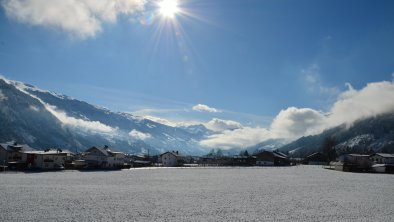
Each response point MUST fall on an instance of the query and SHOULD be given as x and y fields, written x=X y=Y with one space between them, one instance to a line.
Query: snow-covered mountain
x=374 y=134
x=45 y=119
x=270 y=144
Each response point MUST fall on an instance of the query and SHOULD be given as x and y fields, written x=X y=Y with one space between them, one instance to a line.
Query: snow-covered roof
x=378 y=165
x=101 y=150
x=106 y=151
x=358 y=155
x=12 y=146
x=48 y=152
x=142 y=161
x=315 y=154
x=385 y=155
x=172 y=152
x=243 y=157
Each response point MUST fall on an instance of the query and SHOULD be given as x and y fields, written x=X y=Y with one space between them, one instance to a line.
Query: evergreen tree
x=329 y=148
x=219 y=152
x=211 y=153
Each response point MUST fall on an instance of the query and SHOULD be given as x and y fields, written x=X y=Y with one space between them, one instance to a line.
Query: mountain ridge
x=44 y=119
x=372 y=134
x=73 y=122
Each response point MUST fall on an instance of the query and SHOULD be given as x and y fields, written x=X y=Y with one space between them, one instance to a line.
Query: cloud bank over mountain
x=237 y=138
x=374 y=99
x=139 y=135
x=220 y=125
x=291 y=123
x=80 y=124
x=80 y=18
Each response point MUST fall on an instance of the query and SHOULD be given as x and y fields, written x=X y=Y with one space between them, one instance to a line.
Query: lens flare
x=168 y=8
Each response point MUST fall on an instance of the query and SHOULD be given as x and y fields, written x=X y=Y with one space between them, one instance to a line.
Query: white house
x=11 y=154
x=18 y=156
x=171 y=159
x=49 y=159
x=382 y=158
x=106 y=157
x=382 y=162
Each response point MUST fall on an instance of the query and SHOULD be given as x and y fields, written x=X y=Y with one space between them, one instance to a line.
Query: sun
x=168 y=8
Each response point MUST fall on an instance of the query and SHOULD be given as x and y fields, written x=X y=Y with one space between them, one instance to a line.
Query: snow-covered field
x=304 y=193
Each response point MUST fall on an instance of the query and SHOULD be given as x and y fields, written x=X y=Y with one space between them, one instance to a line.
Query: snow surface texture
x=304 y=193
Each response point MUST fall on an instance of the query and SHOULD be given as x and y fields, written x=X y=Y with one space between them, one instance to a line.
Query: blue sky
x=248 y=59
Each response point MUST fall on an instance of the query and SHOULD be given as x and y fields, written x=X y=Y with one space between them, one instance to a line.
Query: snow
x=169 y=138
x=150 y=125
x=304 y=193
x=356 y=143
x=26 y=87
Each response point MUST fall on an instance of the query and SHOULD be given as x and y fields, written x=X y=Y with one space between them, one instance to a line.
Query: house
x=208 y=161
x=316 y=159
x=382 y=162
x=12 y=155
x=171 y=159
x=382 y=158
x=243 y=161
x=104 y=158
x=49 y=159
x=271 y=158
x=18 y=156
x=138 y=161
x=353 y=162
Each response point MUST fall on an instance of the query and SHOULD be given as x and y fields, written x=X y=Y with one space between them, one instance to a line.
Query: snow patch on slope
x=2 y=96
x=94 y=126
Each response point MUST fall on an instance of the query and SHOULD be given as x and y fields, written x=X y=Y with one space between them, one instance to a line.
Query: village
x=21 y=157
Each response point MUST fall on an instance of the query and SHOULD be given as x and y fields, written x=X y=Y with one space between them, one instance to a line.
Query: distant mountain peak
x=44 y=119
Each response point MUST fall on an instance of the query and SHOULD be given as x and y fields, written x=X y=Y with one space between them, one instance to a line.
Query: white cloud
x=219 y=125
x=244 y=137
x=34 y=108
x=139 y=135
x=205 y=108
x=161 y=120
x=374 y=99
x=2 y=96
x=292 y=123
x=173 y=123
x=314 y=83
x=351 y=105
x=94 y=126
x=80 y=18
